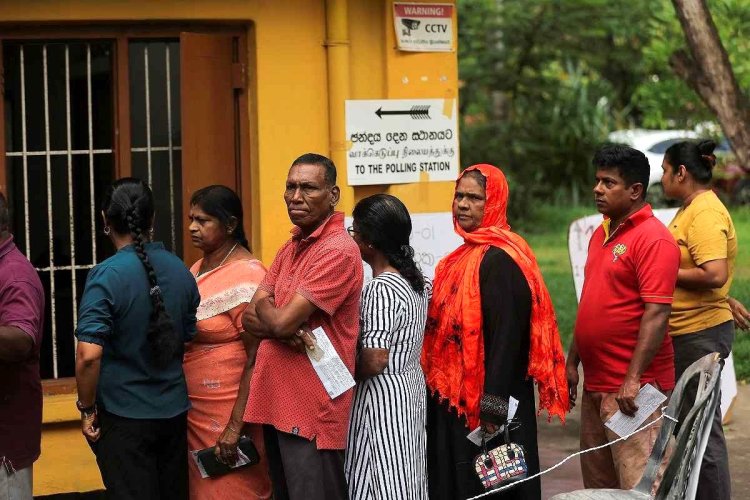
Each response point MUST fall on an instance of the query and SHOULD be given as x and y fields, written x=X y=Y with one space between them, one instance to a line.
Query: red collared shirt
x=635 y=264
x=326 y=269
x=21 y=306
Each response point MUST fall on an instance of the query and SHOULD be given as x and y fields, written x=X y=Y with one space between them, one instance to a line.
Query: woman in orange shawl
x=218 y=363
x=491 y=333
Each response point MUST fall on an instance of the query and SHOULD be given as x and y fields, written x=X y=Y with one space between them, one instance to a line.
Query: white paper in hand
x=329 y=366
x=648 y=400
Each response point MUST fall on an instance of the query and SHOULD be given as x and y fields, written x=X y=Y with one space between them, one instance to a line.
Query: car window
x=661 y=147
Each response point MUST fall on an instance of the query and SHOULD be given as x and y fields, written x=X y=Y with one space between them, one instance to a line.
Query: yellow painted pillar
x=337 y=45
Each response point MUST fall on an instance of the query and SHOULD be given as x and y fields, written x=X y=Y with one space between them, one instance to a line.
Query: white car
x=653 y=143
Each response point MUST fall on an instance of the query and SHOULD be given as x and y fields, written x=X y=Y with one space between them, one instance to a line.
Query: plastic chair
x=678 y=483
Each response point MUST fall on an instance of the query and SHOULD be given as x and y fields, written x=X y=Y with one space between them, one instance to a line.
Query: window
x=154 y=68
x=80 y=112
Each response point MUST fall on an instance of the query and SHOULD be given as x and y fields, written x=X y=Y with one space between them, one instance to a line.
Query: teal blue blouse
x=114 y=313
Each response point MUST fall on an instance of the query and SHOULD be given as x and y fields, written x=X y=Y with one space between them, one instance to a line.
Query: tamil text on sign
x=398 y=141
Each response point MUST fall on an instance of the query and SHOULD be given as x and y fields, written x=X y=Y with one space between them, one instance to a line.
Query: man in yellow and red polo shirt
x=621 y=328
x=314 y=281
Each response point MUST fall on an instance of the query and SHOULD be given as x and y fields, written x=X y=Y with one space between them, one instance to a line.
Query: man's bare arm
x=284 y=322
x=250 y=321
x=650 y=337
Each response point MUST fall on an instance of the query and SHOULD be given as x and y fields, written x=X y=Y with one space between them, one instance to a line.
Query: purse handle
x=506 y=437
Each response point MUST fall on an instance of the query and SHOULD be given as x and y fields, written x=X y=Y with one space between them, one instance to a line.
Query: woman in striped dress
x=385 y=456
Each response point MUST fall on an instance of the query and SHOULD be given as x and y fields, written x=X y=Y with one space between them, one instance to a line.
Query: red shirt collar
x=641 y=215
x=633 y=220
x=332 y=224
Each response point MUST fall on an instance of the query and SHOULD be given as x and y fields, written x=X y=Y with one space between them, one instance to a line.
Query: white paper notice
x=399 y=141
x=329 y=367
x=475 y=436
x=648 y=400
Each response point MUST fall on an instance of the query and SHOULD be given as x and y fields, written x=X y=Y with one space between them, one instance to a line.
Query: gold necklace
x=220 y=263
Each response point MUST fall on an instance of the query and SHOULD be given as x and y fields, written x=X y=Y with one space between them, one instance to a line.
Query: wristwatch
x=86 y=410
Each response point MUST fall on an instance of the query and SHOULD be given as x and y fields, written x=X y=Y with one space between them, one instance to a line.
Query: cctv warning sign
x=424 y=27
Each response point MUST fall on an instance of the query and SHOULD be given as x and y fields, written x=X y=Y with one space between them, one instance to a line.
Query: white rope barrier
x=550 y=469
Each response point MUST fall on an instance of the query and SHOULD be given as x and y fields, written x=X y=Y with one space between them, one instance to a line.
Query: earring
x=107 y=230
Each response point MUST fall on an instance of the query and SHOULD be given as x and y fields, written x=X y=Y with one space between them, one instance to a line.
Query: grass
x=548 y=236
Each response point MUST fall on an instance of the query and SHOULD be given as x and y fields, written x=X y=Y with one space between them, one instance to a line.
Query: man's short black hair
x=323 y=161
x=4 y=215
x=631 y=164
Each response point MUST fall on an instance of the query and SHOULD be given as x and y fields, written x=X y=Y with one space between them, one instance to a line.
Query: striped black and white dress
x=385 y=456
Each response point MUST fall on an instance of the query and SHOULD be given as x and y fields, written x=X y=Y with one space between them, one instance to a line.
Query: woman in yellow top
x=701 y=321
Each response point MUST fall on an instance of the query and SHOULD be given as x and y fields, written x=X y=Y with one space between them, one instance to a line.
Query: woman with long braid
x=385 y=456
x=137 y=311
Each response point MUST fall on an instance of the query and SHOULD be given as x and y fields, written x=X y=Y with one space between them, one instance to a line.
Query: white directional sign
x=396 y=141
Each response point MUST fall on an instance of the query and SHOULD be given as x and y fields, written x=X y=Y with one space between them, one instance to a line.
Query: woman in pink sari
x=218 y=363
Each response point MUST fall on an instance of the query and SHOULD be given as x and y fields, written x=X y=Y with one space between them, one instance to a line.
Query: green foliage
x=741 y=289
x=543 y=82
x=663 y=100
x=547 y=234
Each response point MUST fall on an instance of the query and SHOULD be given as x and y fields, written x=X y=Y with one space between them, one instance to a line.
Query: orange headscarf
x=455 y=370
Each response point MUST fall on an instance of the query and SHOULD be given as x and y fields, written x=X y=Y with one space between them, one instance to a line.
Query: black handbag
x=208 y=462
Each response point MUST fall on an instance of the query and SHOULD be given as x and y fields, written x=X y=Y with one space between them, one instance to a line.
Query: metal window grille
x=59 y=123
x=59 y=151
x=156 y=151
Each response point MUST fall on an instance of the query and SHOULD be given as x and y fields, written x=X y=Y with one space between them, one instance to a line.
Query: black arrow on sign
x=416 y=112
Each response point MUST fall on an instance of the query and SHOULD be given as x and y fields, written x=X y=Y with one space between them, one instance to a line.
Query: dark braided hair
x=223 y=203
x=129 y=209
x=384 y=222
x=697 y=156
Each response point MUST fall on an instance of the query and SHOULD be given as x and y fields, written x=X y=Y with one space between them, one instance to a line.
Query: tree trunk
x=707 y=70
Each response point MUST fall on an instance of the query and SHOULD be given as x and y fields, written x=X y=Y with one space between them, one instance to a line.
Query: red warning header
x=423 y=10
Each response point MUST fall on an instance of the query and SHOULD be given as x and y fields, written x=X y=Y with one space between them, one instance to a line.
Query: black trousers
x=714 y=481
x=143 y=459
x=300 y=471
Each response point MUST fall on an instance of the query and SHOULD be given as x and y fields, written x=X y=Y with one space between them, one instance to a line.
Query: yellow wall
x=289 y=115
x=402 y=75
